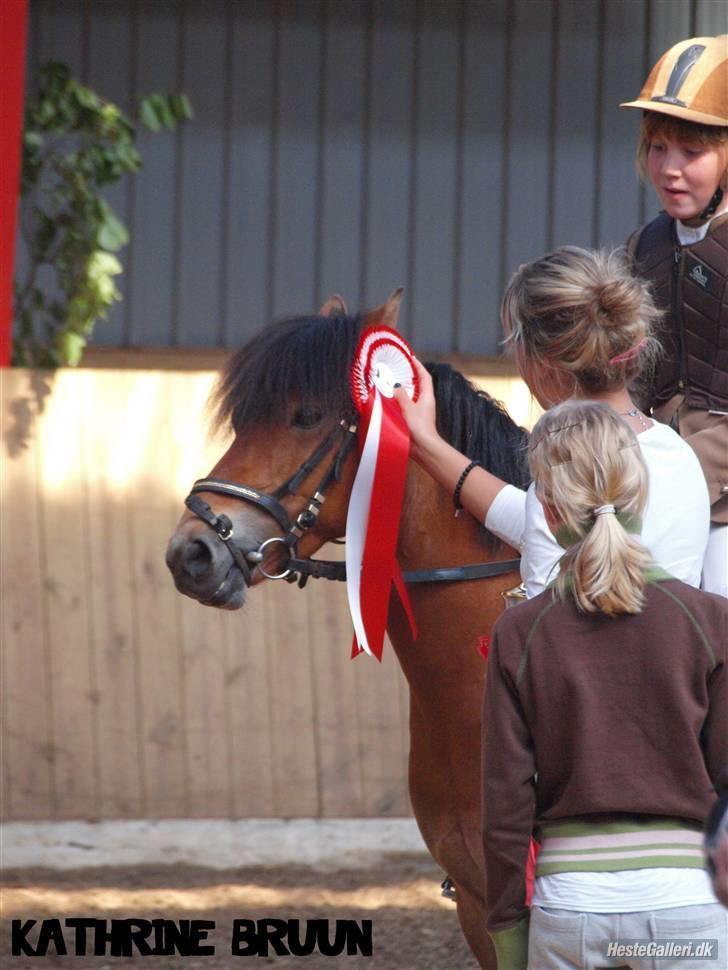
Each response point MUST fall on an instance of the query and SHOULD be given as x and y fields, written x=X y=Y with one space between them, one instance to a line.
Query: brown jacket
x=598 y=718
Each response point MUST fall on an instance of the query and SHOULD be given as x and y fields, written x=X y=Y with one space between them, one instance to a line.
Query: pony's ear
x=387 y=314
x=334 y=307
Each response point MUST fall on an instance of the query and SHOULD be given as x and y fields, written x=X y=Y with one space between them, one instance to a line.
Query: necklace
x=636 y=413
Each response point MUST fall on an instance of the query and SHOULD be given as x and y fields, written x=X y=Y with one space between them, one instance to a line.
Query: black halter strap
x=327 y=569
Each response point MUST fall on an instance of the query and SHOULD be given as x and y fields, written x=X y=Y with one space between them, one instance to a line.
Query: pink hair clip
x=629 y=354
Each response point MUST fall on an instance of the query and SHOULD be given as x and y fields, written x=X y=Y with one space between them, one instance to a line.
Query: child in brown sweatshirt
x=605 y=728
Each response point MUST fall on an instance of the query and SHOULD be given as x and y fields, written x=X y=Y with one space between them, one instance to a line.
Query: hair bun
x=615 y=299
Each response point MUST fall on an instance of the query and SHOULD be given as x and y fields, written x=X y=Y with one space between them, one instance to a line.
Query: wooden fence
x=123 y=699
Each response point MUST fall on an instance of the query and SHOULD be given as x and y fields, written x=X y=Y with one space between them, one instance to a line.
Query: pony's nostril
x=196 y=559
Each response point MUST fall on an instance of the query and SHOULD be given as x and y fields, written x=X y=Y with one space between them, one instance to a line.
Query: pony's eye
x=306 y=417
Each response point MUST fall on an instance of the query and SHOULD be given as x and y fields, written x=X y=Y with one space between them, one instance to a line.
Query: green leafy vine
x=74 y=144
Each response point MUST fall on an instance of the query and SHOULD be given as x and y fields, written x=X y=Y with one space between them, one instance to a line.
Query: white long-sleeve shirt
x=675 y=523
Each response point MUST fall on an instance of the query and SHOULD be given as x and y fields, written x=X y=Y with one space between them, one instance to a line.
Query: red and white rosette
x=382 y=360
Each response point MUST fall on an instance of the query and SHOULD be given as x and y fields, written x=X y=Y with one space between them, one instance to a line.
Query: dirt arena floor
x=413 y=926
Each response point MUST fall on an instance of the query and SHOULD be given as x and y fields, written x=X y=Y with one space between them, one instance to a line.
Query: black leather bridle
x=301 y=569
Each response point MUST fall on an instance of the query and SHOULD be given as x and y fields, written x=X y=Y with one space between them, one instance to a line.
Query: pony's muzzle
x=202 y=568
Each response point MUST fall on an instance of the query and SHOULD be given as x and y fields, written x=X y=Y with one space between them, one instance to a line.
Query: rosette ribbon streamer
x=382 y=359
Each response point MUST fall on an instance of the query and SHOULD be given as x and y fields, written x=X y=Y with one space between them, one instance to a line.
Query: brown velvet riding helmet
x=689 y=81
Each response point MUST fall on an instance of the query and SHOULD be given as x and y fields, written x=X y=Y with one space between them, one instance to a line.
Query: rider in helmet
x=683 y=147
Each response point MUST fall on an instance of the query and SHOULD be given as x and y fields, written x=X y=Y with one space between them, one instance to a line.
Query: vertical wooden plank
x=250 y=709
x=390 y=139
x=64 y=551
x=203 y=644
x=61 y=29
x=109 y=63
x=293 y=713
x=59 y=38
x=228 y=721
x=530 y=73
x=200 y=240
x=344 y=151
x=623 y=76
x=32 y=63
x=247 y=255
x=151 y=256
x=110 y=427
x=383 y=753
x=25 y=677
x=479 y=281
x=575 y=147
x=33 y=60
x=207 y=762
x=711 y=18
x=669 y=22
x=335 y=677
x=149 y=458
x=436 y=176
x=298 y=116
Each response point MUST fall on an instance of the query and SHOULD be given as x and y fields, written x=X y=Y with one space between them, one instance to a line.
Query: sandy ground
x=413 y=927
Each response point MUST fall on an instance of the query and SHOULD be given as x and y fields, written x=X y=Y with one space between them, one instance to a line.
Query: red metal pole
x=13 y=31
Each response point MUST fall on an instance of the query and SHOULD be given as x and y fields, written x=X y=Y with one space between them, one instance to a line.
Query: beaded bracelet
x=459 y=485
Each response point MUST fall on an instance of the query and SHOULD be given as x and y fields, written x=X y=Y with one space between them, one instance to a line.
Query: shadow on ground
x=413 y=927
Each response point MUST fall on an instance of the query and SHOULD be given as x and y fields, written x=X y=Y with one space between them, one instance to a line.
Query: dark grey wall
x=356 y=145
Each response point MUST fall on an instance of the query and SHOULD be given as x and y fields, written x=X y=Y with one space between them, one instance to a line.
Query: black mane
x=307 y=360
x=479 y=426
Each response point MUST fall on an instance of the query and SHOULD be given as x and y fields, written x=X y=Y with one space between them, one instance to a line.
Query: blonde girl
x=605 y=725
x=580 y=325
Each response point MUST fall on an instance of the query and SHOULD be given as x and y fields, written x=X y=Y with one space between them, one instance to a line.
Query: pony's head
x=286 y=396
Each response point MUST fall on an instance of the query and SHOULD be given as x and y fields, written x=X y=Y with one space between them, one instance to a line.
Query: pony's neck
x=450 y=616
x=430 y=534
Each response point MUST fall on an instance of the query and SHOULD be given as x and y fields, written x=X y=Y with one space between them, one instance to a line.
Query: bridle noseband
x=301 y=569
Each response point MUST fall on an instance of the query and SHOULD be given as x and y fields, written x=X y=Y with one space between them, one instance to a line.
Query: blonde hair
x=583 y=457
x=576 y=310
x=679 y=130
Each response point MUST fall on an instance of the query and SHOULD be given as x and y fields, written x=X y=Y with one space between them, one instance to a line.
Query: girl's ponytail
x=607 y=567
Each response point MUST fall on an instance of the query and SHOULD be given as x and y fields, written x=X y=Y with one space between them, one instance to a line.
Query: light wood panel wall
x=123 y=699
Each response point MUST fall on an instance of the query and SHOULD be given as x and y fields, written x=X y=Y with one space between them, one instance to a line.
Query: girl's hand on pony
x=421 y=415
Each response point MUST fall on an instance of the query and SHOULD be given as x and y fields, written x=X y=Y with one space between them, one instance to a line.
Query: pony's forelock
x=305 y=360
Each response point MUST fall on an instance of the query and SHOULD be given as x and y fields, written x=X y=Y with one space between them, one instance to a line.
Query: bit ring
x=261 y=547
